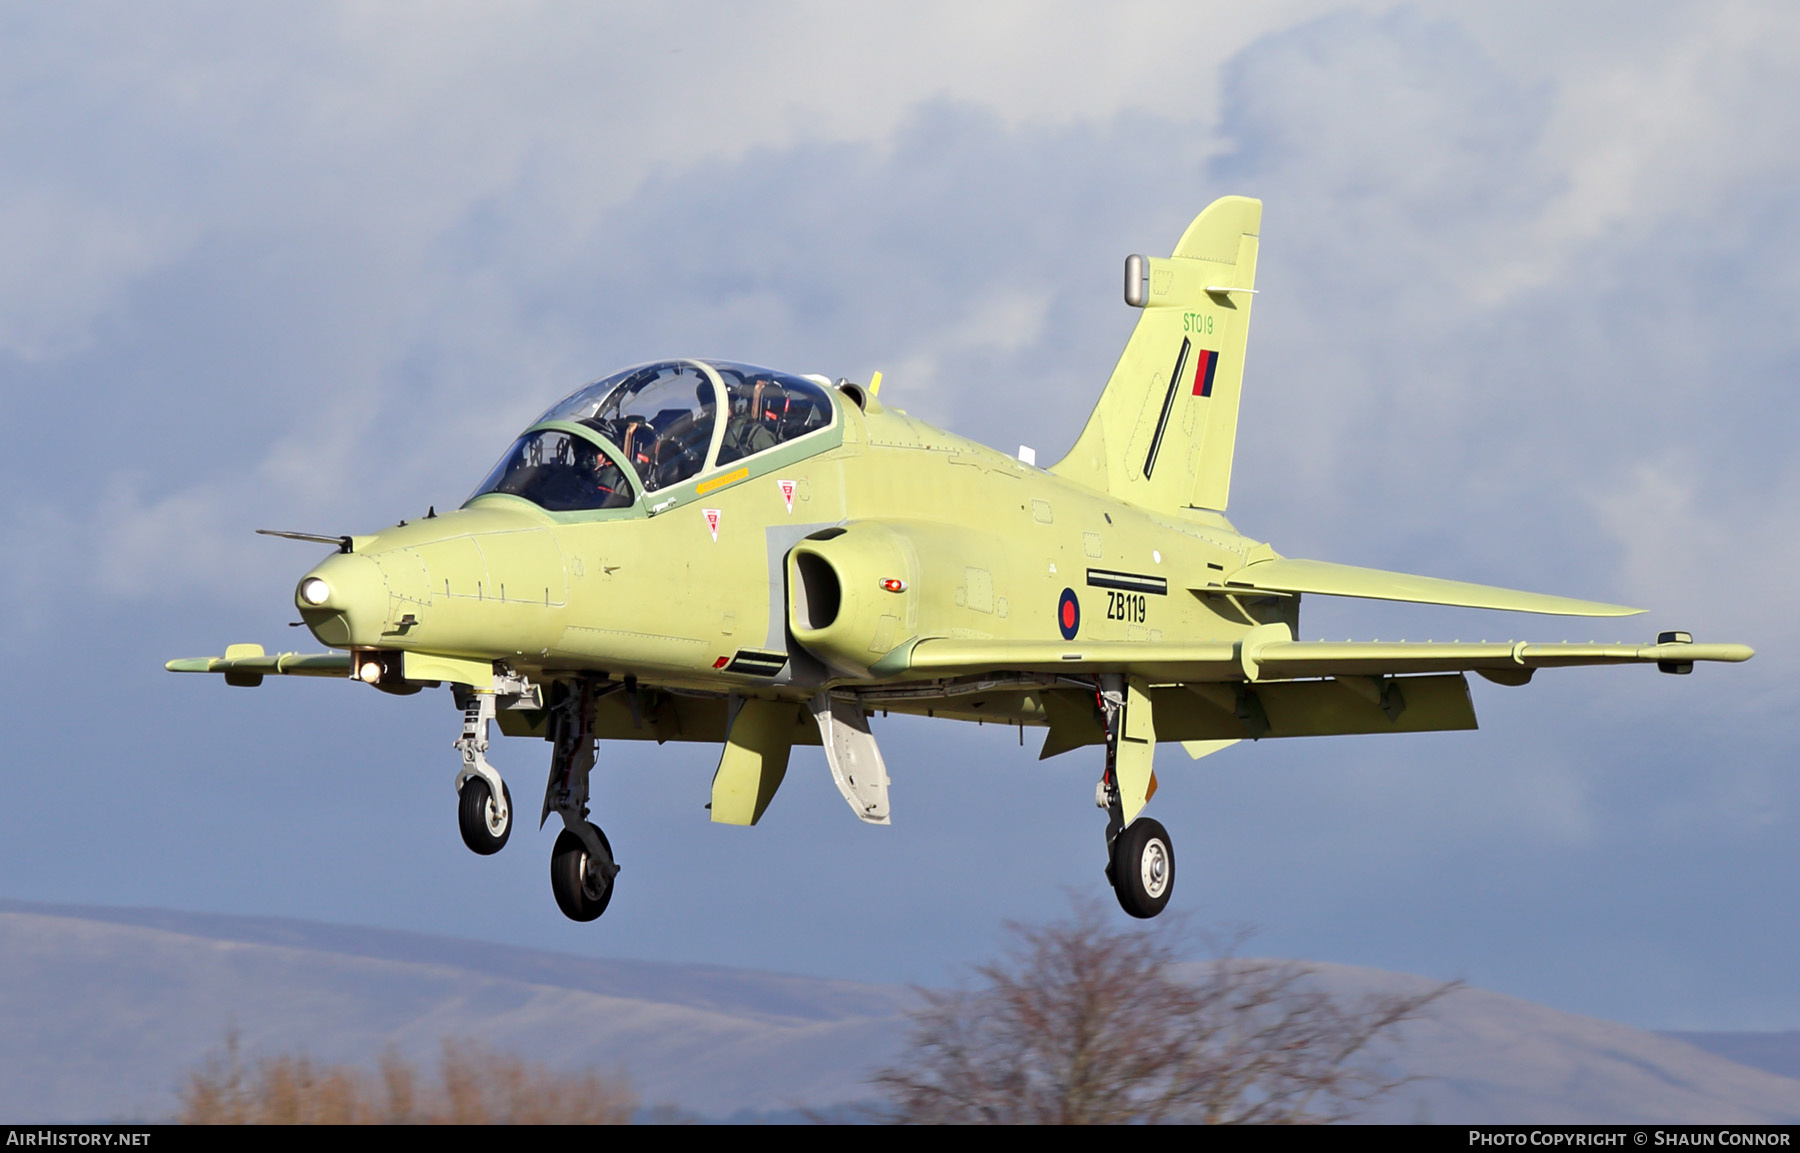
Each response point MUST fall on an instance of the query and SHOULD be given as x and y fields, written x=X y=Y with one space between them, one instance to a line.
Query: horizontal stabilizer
x=1323 y=578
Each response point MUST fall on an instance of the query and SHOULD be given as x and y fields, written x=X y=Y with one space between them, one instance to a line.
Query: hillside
x=102 y=1010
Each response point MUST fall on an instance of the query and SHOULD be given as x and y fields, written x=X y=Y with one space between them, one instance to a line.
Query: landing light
x=314 y=591
x=369 y=671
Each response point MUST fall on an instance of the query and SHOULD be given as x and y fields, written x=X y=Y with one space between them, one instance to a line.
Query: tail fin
x=1162 y=435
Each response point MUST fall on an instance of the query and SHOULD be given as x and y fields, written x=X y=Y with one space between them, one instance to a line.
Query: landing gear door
x=855 y=760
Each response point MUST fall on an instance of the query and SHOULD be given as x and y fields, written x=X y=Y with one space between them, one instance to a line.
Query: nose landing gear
x=484 y=819
x=485 y=812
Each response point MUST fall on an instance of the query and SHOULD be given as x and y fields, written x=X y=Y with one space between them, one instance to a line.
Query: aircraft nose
x=344 y=601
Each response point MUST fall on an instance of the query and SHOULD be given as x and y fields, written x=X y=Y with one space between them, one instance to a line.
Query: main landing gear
x=1140 y=858
x=581 y=883
x=1142 y=868
x=581 y=864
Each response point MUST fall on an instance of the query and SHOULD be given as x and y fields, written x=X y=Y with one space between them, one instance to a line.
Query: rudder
x=1163 y=432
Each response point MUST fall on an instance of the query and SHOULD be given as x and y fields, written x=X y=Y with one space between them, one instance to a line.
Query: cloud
x=1527 y=317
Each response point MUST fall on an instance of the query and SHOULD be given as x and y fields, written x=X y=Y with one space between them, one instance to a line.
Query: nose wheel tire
x=1142 y=870
x=581 y=893
x=485 y=826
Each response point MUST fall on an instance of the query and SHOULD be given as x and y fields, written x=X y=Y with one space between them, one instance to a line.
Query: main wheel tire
x=580 y=897
x=1143 y=868
x=484 y=828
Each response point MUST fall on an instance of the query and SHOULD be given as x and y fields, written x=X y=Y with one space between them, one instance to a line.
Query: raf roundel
x=1068 y=615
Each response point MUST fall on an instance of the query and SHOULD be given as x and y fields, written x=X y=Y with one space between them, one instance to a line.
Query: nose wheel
x=485 y=821
x=582 y=881
x=1142 y=870
x=484 y=808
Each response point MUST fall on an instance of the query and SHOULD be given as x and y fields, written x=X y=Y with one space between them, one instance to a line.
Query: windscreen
x=559 y=472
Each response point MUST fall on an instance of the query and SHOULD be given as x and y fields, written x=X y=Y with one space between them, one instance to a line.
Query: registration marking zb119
x=1133 y=607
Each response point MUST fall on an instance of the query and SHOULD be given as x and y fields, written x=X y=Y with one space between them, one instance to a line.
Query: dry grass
x=475 y=1086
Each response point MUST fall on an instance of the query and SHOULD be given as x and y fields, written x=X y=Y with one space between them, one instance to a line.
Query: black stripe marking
x=1127 y=582
x=749 y=662
x=1162 y=421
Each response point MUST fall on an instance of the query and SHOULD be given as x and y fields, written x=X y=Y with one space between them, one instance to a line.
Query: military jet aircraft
x=699 y=550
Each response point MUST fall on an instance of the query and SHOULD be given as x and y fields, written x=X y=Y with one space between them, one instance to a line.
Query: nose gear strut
x=485 y=813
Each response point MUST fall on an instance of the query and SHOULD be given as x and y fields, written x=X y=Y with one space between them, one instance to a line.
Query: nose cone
x=344 y=601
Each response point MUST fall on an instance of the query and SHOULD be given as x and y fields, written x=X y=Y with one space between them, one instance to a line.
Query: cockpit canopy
x=662 y=421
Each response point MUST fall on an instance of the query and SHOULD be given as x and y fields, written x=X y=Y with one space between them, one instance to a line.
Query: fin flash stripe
x=1203 y=372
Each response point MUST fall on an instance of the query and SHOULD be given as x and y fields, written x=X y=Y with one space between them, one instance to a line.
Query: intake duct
x=820 y=596
x=839 y=607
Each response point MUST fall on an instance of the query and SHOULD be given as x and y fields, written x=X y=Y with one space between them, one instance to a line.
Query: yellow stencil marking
x=719 y=482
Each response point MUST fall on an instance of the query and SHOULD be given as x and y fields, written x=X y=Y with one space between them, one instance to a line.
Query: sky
x=1528 y=316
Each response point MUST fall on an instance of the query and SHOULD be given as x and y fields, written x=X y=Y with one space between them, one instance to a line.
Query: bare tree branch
x=1082 y=1024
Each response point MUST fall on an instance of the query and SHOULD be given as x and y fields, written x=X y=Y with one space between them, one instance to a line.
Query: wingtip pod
x=1729 y=653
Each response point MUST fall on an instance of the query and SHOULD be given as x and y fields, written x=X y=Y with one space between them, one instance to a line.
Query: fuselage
x=696 y=586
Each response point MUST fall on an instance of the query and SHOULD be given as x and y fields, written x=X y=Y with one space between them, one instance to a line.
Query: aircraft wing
x=942 y=657
x=1324 y=578
x=1507 y=662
